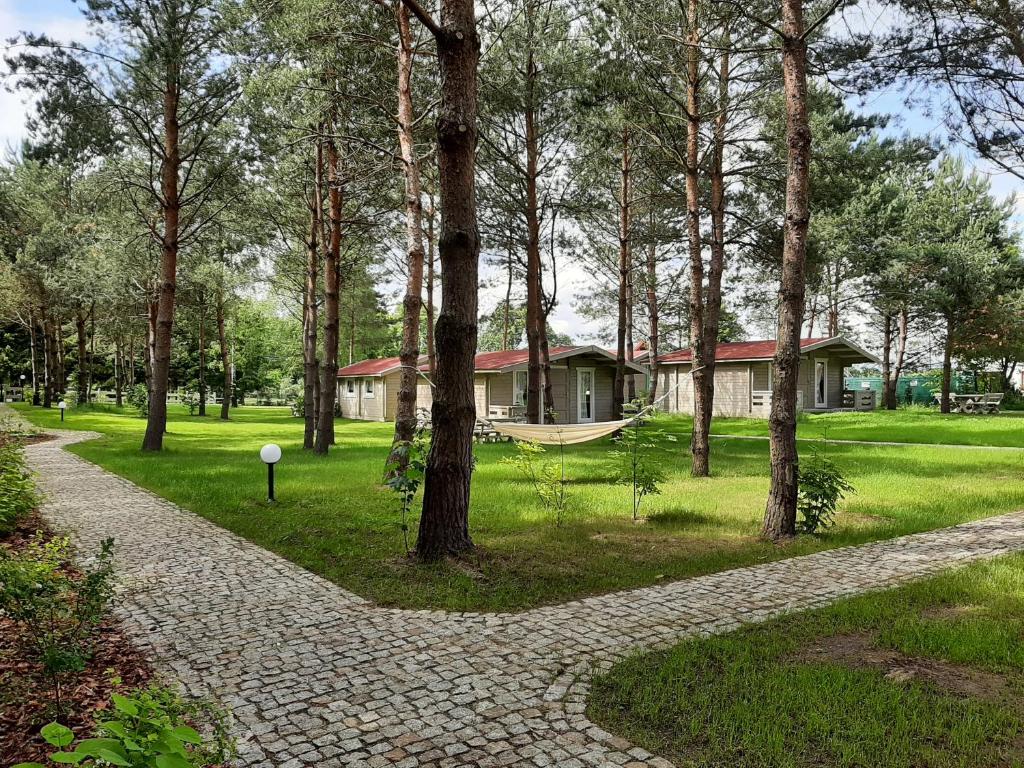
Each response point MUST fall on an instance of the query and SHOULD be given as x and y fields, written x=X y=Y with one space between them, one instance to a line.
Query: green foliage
x=138 y=398
x=635 y=442
x=299 y=406
x=150 y=728
x=547 y=477
x=822 y=486
x=58 y=609
x=18 y=494
x=405 y=475
x=190 y=399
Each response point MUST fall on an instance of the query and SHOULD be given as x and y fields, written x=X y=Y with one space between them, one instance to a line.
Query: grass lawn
x=906 y=425
x=334 y=518
x=927 y=675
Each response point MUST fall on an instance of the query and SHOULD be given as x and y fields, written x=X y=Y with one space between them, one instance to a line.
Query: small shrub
x=190 y=399
x=405 y=475
x=299 y=406
x=71 y=398
x=822 y=486
x=547 y=477
x=635 y=442
x=58 y=609
x=138 y=398
x=18 y=494
x=149 y=728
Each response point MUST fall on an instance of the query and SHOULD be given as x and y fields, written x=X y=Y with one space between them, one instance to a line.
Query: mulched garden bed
x=26 y=700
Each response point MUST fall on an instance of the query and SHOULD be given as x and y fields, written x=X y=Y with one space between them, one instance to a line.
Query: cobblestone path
x=317 y=676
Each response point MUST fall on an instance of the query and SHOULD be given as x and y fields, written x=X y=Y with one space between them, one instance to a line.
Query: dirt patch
x=953 y=612
x=26 y=694
x=858 y=651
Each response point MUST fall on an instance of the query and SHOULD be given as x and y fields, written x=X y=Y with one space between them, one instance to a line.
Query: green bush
x=546 y=477
x=822 y=486
x=190 y=399
x=149 y=728
x=299 y=406
x=138 y=398
x=635 y=442
x=57 y=608
x=18 y=494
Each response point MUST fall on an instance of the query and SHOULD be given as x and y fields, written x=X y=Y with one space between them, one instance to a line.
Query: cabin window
x=350 y=387
x=367 y=387
x=520 y=383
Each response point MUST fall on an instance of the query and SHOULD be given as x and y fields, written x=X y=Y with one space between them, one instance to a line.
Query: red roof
x=371 y=367
x=495 y=361
x=736 y=350
x=485 y=361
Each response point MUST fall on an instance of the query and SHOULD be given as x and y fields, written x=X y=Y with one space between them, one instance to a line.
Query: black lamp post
x=270 y=454
x=63 y=407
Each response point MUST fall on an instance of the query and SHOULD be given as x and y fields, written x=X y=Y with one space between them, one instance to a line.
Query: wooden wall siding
x=834 y=383
x=424 y=395
x=759 y=372
x=366 y=408
x=499 y=388
x=604 y=385
x=732 y=389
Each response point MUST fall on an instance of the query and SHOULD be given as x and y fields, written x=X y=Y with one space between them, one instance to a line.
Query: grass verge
x=931 y=674
x=334 y=518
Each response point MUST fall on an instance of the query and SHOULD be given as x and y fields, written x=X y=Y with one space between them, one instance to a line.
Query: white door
x=821 y=384
x=584 y=395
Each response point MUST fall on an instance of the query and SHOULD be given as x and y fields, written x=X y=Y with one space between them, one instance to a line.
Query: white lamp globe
x=62 y=405
x=270 y=453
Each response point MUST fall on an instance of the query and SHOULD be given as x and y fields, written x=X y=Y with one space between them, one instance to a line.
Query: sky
x=61 y=19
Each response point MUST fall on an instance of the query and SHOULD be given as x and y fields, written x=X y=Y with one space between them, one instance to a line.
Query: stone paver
x=317 y=676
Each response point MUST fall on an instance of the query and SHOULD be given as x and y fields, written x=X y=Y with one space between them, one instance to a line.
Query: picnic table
x=973 y=402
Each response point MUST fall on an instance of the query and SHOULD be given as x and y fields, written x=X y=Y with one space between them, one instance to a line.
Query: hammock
x=559 y=434
x=569 y=434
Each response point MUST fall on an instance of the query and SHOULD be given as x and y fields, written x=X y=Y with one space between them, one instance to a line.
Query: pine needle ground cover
x=334 y=517
x=931 y=674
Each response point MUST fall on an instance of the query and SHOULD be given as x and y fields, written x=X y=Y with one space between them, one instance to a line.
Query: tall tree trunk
x=431 y=354
x=653 y=317
x=625 y=191
x=310 y=365
x=888 y=381
x=202 y=355
x=700 y=444
x=506 y=320
x=332 y=276
x=130 y=373
x=947 y=367
x=225 y=358
x=444 y=521
x=33 y=346
x=49 y=365
x=119 y=373
x=780 y=510
x=712 y=309
x=534 y=384
x=92 y=352
x=412 y=304
x=82 y=339
x=630 y=349
x=156 y=423
x=903 y=332
x=150 y=345
x=61 y=377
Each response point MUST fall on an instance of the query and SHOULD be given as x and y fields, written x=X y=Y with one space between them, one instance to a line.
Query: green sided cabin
x=582 y=379
x=743 y=378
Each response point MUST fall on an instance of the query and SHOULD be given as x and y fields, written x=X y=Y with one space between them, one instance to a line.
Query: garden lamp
x=63 y=406
x=270 y=454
